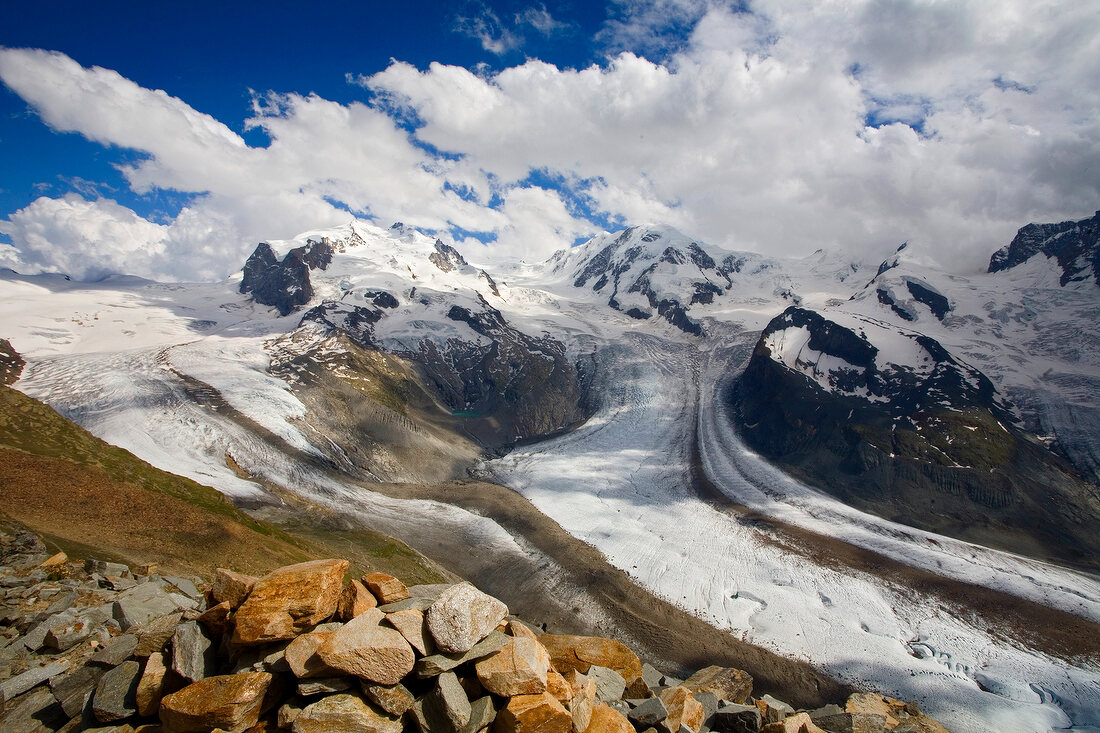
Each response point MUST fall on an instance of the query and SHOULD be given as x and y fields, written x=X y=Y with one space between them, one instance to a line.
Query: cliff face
x=926 y=442
x=1074 y=244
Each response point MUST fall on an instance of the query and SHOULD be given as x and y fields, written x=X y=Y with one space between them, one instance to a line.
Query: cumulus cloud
x=855 y=125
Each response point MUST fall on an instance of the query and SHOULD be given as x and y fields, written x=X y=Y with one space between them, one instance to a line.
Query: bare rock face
x=581 y=652
x=230 y=587
x=727 y=683
x=519 y=668
x=342 y=713
x=683 y=709
x=463 y=616
x=533 y=714
x=608 y=720
x=365 y=649
x=290 y=600
x=230 y=702
x=386 y=588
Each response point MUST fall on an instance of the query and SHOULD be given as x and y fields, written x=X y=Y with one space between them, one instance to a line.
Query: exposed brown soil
x=80 y=508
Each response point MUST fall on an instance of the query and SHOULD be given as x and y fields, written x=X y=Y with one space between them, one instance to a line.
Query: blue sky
x=165 y=142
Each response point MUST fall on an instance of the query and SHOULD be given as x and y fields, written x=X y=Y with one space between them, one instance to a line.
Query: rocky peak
x=1074 y=244
x=446 y=257
x=11 y=363
x=284 y=285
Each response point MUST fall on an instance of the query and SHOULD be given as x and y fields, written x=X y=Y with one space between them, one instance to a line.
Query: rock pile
x=98 y=646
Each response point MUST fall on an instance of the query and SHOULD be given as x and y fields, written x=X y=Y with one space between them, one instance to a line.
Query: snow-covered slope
x=358 y=353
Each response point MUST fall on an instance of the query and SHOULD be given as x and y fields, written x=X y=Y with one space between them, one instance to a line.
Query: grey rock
x=709 y=701
x=185 y=586
x=324 y=685
x=117 y=651
x=429 y=591
x=482 y=714
x=34 y=712
x=463 y=616
x=35 y=639
x=777 y=709
x=143 y=604
x=648 y=714
x=193 y=653
x=67 y=635
x=670 y=681
x=183 y=602
x=439 y=663
x=842 y=722
x=19 y=684
x=447 y=705
x=72 y=690
x=610 y=685
x=62 y=602
x=420 y=604
x=652 y=675
x=394 y=699
x=734 y=718
x=118 y=584
x=619 y=706
x=111 y=569
x=116 y=694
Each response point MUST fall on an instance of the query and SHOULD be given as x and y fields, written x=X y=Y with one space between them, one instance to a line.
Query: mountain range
x=880 y=467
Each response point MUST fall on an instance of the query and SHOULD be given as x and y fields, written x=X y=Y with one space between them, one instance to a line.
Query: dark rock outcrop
x=1074 y=244
x=11 y=363
x=932 y=448
x=284 y=285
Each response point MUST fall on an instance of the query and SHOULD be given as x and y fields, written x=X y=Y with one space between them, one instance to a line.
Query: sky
x=165 y=140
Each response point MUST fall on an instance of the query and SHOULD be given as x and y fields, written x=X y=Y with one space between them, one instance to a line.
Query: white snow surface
x=109 y=356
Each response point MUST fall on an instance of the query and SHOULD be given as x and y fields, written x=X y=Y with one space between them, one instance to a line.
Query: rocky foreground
x=101 y=646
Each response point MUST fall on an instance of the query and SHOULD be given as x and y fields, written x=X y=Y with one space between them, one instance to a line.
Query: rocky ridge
x=100 y=646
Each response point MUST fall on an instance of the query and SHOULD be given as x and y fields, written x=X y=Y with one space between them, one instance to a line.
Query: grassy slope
x=93 y=499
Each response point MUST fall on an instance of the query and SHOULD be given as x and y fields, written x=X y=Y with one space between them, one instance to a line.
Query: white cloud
x=859 y=125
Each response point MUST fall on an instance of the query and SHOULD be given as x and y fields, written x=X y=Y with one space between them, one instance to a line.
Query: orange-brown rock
x=581 y=652
x=230 y=587
x=518 y=628
x=365 y=649
x=414 y=627
x=386 y=588
x=301 y=655
x=518 y=668
x=288 y=601
x=230 y=702
x=216 y=618
x=727 y=683
x=798 y=723
x=342 y=713
x=354 y=600
x=894 y=711
x=54 y=561
x=533 y=714
x=608 y=720
x=683 y=709
x=558 y=687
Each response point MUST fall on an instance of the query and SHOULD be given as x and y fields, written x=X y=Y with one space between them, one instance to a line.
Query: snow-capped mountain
x=631 y=388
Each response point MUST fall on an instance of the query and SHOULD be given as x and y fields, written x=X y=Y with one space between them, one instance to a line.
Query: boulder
x=324 y=686
x=143 y=604
x=735 y=718
x=774 y=710
x=344 y=712
x=288 y=601
x=230 y=587
x=608 y=720
x=895 y=712
x=72 y=690
x=54 y=561
x=301 y=655
x=394 y=699
x=610 y=685
x=216 y=618
x=367 y=650
x=64 y=636
x=581 y=652
x=446 y=707
x=413 y=625
x=518 y=668
x=150 y=687
x=194 y=655
x=533 y=714
x=557 y=686
x=116 y=694
x=463 y=616
x=154 y=636
x=683 y=709
x=386 y=588
x=17 y=685
x=116 y=651
x=233 y=703
x=354 y=600
x=583 y=699
x=440 y=663
x=797 y=723
x=850 y=722
x=727 y=683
